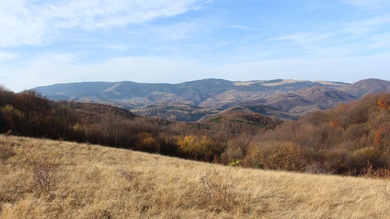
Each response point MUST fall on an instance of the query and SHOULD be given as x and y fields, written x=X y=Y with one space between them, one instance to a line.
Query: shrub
x=277 y=155
x=365 y=157
x=285 y=156
x=232 y=154
x=147 y=143
x=12 y=118
x=335 y=161
x=45 y=171
x=253 y=157
x=199 y=148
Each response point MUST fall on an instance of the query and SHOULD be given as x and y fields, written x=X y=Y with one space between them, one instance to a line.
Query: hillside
x=292 y=97
x=368 y=86
x=350 y=139
x=90 y=181
x=174 y=111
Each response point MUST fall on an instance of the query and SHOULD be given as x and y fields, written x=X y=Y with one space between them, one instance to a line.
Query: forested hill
x=350 y=139
x=191 y=101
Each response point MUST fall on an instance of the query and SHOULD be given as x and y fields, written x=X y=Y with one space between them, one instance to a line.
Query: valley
x=194 y=100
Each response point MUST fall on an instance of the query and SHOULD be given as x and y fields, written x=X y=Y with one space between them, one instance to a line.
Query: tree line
x=351 y=139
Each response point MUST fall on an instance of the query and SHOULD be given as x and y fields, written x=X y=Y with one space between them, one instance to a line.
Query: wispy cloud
x=300 y=37
x=239 y=27
x=5 y=56
x=362 y=27
x=52 y=59
x=179 y=31
x=369 y=4
x=342 y=39
x=380 y=41
x=24 y=22
x=176 y=31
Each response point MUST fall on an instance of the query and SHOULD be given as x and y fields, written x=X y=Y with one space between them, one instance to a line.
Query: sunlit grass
x=98 y=182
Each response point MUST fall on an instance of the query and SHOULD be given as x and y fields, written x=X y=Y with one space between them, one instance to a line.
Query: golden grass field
x=53 y=179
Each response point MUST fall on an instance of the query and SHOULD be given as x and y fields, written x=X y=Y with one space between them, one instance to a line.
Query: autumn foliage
x=349 y=139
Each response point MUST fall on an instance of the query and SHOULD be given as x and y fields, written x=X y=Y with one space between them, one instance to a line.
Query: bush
x=253 y=157
x=285 y=156
x=335 y=161
x=233 y=154
x=199 y=148
x=45 y=170
x=364 y=157
x=147 y=143
x=278 y=155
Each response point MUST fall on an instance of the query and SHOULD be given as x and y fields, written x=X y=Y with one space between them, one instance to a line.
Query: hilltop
x=58 y=179
x=191 y=101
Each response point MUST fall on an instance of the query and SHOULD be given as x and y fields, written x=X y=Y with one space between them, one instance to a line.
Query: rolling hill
x=91 y=181
x=191 y=101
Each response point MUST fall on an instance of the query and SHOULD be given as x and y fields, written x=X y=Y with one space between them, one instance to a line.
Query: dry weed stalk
x=5 y=152
x=381 y=173
x=45 y=171
x=129 y=175
x=217 y=191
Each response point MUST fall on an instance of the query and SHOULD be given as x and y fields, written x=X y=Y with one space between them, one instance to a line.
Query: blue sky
x=43 y=42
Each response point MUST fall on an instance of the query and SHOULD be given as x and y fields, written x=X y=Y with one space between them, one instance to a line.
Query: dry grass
x=88 y=181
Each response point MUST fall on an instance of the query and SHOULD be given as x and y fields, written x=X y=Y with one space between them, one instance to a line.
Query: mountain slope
x=195 y=92
x=295 y=97
x=368 y=86
x=174 y=111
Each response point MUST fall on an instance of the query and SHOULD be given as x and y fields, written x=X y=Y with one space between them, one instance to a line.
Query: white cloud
x=52 y=59
x=105 y=45
x=180 y=30
x=304 y=37
x=362 y=27
x=380 y=41
x=344 y=39
x=369 y=4
x=19 y=25
x=92 y=14
x=25 y=22
x=5 y=56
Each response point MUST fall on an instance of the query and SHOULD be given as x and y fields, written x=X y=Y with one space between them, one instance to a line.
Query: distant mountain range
x=196 y=100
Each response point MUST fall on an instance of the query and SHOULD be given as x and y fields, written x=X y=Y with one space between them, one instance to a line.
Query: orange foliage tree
x=383 y=102
x=382 y=137
x=199 y=148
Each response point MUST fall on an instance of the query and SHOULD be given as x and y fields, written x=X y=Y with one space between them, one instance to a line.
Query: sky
x=44 y=42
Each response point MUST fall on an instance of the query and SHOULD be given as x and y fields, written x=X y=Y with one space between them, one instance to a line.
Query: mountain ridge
x=294 y=97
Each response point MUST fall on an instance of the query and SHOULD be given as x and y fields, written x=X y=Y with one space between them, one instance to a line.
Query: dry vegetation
x=58 y=179
x=350 y=139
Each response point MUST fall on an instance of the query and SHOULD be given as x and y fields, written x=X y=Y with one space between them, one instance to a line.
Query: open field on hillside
x=53 y=179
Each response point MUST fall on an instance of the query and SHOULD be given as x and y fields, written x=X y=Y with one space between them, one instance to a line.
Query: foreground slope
x=88 y=181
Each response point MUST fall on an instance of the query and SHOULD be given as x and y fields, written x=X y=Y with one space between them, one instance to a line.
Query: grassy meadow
x=56 y=179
